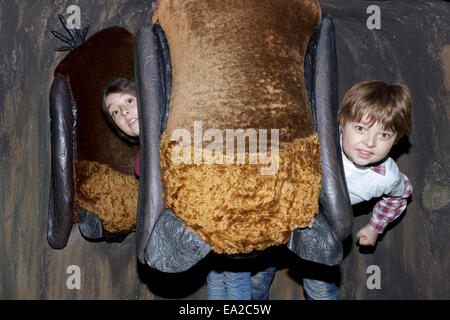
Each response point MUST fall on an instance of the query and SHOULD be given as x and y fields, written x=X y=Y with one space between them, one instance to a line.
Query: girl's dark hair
x=122 y=85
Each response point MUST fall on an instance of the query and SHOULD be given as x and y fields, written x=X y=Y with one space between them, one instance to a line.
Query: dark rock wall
x=30 y=268
x=412 y=47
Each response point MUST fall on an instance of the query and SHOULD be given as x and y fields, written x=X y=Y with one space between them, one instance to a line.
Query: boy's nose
x=370 y=140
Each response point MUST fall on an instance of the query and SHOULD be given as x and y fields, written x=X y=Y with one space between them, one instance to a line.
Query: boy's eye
x=359 y=128
x=130 y=100
x=386 y=135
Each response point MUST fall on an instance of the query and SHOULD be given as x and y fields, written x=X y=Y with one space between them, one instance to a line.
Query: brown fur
x=239 y=65
x=111 y=195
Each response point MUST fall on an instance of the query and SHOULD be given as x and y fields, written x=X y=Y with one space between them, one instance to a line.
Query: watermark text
x=212 y=153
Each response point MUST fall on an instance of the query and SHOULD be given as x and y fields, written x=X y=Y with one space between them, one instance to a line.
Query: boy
x=373 y=116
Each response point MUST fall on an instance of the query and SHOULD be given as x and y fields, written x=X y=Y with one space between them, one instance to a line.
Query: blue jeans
x=314 y=289
x=320 y=290
x=261 y=282
x=228 y=285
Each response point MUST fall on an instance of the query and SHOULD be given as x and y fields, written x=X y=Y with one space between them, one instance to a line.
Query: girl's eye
x=385 y=135
x=130 y=100
x=359 y=128
x=114 y=113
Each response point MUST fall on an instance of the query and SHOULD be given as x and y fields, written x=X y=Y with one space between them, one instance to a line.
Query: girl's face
x=122 y=108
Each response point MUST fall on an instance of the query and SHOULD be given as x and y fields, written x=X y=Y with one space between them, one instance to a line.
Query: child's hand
x=367 y=237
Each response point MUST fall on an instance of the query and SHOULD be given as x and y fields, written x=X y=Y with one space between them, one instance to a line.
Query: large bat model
x=205 y=69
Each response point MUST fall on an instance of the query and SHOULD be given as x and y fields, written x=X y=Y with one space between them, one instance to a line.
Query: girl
x=119 y=108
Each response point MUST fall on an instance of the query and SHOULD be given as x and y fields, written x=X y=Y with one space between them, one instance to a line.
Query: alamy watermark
x=374 y=20
x=74 y=20
x=258 y=152
x=374 y=280
x=74 y=280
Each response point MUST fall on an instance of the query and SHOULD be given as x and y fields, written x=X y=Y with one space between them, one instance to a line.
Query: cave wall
x=412 y=47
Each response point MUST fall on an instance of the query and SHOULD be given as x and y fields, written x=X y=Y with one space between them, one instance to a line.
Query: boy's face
x=122 y=108
x=364 y=145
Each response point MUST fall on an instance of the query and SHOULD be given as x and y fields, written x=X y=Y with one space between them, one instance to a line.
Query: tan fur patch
x=235 y=208
x=111 y=195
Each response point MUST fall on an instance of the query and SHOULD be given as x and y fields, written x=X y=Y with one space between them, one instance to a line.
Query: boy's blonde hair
x=378 y=102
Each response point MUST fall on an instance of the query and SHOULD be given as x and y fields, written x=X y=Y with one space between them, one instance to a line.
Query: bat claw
x=76 y=36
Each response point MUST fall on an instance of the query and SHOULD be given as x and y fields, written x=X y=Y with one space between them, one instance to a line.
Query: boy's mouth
x=364 y=154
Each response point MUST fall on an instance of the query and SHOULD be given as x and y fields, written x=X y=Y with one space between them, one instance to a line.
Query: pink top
x=137 y=164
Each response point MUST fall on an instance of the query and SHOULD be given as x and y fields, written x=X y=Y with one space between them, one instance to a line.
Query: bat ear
x=321 y=242
x=61 y=206
x=154 y=84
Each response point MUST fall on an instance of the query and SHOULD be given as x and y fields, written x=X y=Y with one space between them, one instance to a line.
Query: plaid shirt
x=388 y=208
